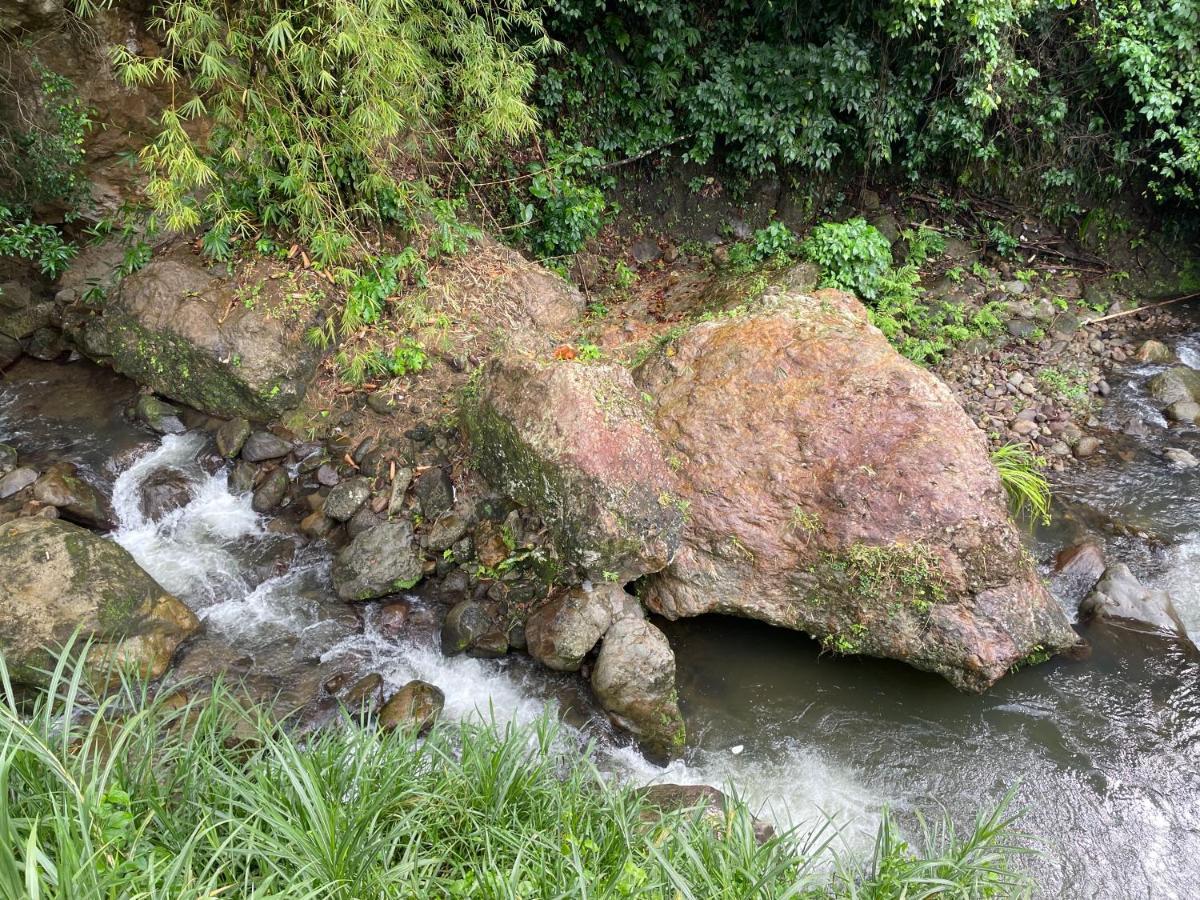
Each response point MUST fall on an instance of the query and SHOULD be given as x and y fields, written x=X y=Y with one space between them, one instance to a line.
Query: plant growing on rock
x=1027 y=488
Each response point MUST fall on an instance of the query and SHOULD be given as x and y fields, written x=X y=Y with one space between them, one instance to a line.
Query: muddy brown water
x=1103 y=755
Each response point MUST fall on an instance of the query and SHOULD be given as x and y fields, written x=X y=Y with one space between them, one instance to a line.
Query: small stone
x=327 y=475
x=316 y=525
x=416 y=706
x=365 y=695
x=393 y=617
x=434 y=491
x=1096 y=346
x=366 y=518
x=445 y=532
x=1183 y=411
x=241 y=479
x=1103 y=388
x=1014 y=287
x=379 y=562
x=47 y=344
x=384 y=404
x=1086 y=447
x=262 y=446
x=231 y=437
x=1024 y=427
x=158 y=415
x=465 y=624
x=645 y=251
x=271 y=492
x=399 y=490
x=346 y=499
x=1083 y=561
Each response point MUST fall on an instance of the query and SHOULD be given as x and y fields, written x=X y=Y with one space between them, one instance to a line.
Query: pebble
x=1181 y=458
x=1086 y=447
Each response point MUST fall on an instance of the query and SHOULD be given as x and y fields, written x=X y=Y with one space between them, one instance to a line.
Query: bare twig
x=1130 y=312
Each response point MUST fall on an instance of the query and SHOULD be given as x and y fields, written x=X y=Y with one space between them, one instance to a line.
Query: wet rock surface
x=378 y=562
x=56 y=577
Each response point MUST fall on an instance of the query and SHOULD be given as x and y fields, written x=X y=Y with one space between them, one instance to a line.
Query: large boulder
x=634 y=680
x=573 y=441
x=378 y=562
x=230 y=345
x=56 y=578
x=834 y=487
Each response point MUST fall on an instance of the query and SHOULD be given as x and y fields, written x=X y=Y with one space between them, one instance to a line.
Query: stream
x=1103 y=754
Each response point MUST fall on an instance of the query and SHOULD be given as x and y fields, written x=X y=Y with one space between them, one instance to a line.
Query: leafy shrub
x=852 y=255
x=310 y=104
x=774 y=243
x=40 y=244
x=560 y=206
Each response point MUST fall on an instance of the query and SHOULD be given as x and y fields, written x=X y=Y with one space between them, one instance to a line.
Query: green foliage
x=357 y=366
x=852 y=256
x=311 y=104
x=40 y=244
x=1058 y=99
x=132 y=795
x=774 y=244
x=1021 y=474
x=559 y=206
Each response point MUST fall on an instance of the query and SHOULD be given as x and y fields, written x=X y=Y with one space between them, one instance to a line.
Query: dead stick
x=1130 y=312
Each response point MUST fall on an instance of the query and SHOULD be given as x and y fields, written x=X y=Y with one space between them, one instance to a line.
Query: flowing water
x=1103 y=754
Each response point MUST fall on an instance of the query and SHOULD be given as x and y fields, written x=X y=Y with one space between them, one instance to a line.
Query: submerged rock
x=56 y=577
x=200 y=336
x=834 y=487
x=573 y=442
x=158 y=415
x=711 y=804
x=416 y=706
x=378 y=562
x=1120 y=595
x=1154 y=352
x=634 y=680
x=163 y=492
x=466 y=624
x=262 y=446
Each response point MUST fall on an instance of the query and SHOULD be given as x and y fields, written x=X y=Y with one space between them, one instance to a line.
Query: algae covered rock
x=836 y=488
x=573 y=442
x=232 y=346
x=56 y=577
x=416 y=706
x=378 y=562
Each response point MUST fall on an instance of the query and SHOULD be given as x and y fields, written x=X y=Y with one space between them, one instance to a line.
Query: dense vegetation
x=1073 y=100
x=135 y=796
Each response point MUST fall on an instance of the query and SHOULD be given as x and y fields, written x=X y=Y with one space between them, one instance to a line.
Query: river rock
x=1083 y=562
x=1183 y=411
x=16 y=481
x=1154 y=352
x=262 y=446
x=1086 y=447
x=1177 y=384
x=634 y=680
x=561 y=632
x=347 y=498
x=378 y=562
x=47 y=344
x=232 y=436
x=10 y=351
x=833 y=487
x=435 y=492
x=364 y=695
x=415 y=707
x=8 y=459
x=574 y=442
x=1180 y=458
x=158 y=415
x=271 y=491
x=1120 y=595
x=163 y=492
x=192 y=333
x=61 y=486
x=465 y=624
x=445 y=532
x=361 y=521
x=56 y=577
x=711 y=804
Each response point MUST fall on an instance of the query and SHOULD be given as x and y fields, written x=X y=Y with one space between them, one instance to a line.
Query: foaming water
x=194 y=551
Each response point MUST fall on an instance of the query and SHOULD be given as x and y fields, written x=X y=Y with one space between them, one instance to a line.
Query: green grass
x=136 y=796
x=1021 y=474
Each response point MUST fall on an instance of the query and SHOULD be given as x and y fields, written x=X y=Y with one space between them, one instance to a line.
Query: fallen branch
x=1130 y=312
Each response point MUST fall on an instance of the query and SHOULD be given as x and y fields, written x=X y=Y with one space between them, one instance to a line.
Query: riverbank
x=135 y=794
